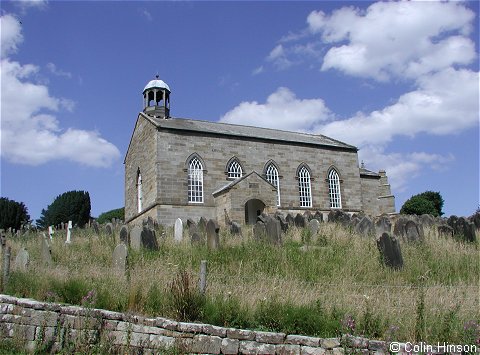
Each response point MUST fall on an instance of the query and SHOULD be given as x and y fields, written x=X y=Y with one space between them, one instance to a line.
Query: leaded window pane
x=234 y=170
x=304 y=187
x=334 y=189
x=272 y=177
x=195 y=181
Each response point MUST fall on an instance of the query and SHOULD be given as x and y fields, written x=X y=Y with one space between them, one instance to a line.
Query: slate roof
x=236 y=181
x=367 y=172
x=228 y=129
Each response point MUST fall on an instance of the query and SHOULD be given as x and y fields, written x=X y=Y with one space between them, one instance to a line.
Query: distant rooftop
x=235 y=130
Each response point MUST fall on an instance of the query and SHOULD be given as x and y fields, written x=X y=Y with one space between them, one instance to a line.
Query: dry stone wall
x=37 y=322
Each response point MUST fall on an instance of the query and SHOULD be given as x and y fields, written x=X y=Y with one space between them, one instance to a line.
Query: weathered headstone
x=339 y=217
x=213 y=239
x=150 y=224
x=390 y=252
x=109 y=229
x=445 y=231
x=383 y=225
x=399 y=228
x=50 y=232
x=300 y=221
x=178 y=230
x=465 y=230
x=262 y=217
x=314 y=226
x=273 y=231
x=318 y=216
x=46 y=253
x=195 y=236
x=412 y=232
x=124 y=235
x=283 y=222
x=308 y=216
x=22 y=260
x=427 y=220
x=365 y=227
x=149 y=240
x=136 y=238
x=69 y=232
x=96 y=228
x=202 y=225
x=120 y=258
x=235 y=228
x=290 y=220
x=259 y=231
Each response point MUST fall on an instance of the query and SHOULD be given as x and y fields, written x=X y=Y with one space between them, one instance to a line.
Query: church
x=183 y=168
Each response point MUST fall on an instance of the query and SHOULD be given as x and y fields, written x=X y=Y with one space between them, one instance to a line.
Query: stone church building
x=183 y=168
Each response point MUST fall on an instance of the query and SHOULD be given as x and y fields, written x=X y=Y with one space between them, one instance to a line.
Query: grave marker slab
x=213 y=239
x=390 y=252
x=178 y=230
x=22 y=260
x=136 y=238
x=119 y=257
x=124 y=235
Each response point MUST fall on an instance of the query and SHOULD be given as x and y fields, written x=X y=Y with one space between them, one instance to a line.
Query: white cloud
x=25 y=5
x=396 y=39
x=278 y=57
x=257 y=70
x=282 y=110
x=146 y=14
x=52 y=68
x=30 y=132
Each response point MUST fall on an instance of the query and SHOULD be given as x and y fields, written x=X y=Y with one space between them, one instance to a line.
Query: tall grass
x=310 y=289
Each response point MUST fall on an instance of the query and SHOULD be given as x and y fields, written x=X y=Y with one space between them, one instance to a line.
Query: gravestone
x=136 y=237
x=390 y=253
x=300 y=221
x=445 y=231
x=476 y=220
x=314 y=226
x=262 y=217
x=69 y=232
x=283 y=222
x=273 y=231
x=308 y=216
x=290 y=220
x=339 y=217
x=235 y=228
x=465 y=230
x=354 y=220
x=427 y=220
x=399 y=228
x=318 y=216
x=365 y=227
x=46 y=253
x=149 y=223
x=412 y=232
x=50 y=232
x=178 y=230
x=190 y=222
x=195 y=236
x=109 y=229
x=96 y=228
x=383 y=225
x=202 y=225
x=148 y=238
x=120 y=258
x=124 y=235
x=22 y=260
x=259 y=231
x=213 y=239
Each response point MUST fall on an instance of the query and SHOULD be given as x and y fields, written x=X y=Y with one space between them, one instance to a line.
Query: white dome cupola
x=156 y=98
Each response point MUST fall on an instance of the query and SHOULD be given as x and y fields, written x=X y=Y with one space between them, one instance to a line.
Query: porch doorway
x=253 y=208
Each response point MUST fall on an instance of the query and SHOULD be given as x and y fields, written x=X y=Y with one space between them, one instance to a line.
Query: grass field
x=336 y=285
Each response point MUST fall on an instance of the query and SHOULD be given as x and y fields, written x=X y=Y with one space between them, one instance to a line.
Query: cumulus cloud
x=30 y=132
x=282 y=110
x=395 y=39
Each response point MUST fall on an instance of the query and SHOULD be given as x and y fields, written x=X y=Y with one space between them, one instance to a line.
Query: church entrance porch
x=253 y=208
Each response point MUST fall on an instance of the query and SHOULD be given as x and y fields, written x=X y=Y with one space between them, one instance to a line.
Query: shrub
x=70 y=206
x=427 y=202
x=118 y=213
x=12 y=214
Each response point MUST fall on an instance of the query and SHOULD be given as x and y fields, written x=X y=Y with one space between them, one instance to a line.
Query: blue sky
x=400 y=80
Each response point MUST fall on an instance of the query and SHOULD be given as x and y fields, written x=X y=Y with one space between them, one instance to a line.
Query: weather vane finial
x=156 y=75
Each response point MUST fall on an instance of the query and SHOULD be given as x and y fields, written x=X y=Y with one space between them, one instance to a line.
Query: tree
x=427 y=202
x=70 y=206
x=12 y=214
x=118 y=213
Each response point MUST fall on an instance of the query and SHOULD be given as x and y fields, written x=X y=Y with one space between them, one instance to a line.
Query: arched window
x=139 y=191
x=304 y=187
x=271 y=174
x=234 y=169
x=195 y=181
x=334 y=189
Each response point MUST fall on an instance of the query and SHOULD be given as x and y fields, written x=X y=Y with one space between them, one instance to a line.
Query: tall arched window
x=334 y=189
x=195 y=181
x=234 y=169
x=304 y=187
x=271 y=174
x=139 y=192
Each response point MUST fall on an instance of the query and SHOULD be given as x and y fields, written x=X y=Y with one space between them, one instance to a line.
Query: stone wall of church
x=175 y=147
x=370 y=202
x=141 y=157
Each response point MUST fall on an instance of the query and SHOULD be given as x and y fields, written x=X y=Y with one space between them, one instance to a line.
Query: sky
x=399 y=80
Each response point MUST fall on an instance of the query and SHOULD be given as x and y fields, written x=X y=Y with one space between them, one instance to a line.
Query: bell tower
x=156 y=99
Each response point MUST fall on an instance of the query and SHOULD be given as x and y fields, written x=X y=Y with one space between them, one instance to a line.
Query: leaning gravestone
x=383 y=225
x=213 y=240
x=46 y=253
x=399 y=228
x=120 y=258
x=390 y=252
x=178 y=230
x=22 y=260
x=445 y=231
x=136 y=238
x=124 y=235
x=235 y=228
x=148 y=238
x=314 y=226
x=109 y=229
x=412 y=232
x=300 y=221
x=259 y=231
x=365 y=227
x=273 y=231
x=290 y=220
x=283 y=222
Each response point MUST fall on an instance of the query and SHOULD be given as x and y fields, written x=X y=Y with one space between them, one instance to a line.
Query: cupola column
x=157 y=90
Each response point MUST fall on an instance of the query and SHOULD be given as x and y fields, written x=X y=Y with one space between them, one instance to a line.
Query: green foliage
x=12 y=214
x=427 y=202
x=186 y=301
x=226 y=312
x=70 y=206
x=118 y=213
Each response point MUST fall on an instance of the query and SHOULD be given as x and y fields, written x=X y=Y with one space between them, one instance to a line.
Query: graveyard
x=295 y=275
